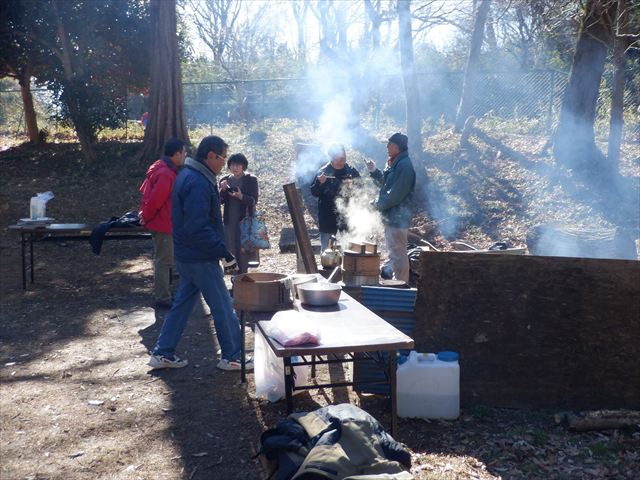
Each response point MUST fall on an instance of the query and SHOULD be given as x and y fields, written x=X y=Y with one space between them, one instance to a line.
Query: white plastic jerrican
x=428 y=387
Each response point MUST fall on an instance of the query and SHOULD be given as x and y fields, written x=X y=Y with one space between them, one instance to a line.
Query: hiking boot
x=158 y=361
x=234 y=365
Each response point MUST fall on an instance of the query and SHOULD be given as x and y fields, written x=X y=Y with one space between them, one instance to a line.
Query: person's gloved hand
x=229 y=263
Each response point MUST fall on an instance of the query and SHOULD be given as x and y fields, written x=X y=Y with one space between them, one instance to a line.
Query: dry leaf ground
x=78 y=401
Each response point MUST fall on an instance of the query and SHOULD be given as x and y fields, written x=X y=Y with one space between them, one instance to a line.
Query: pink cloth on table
x=290 y=328
x=298 y=339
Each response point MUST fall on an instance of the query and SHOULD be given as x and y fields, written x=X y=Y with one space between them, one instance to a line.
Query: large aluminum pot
x=299 y=278
x=319 y=294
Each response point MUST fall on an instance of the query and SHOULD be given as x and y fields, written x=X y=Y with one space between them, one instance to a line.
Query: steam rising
x=345 y=89
x=364 y=223
x=335 y=121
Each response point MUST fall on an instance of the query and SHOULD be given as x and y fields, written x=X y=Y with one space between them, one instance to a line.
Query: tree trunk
x=327 y=32
x=412 y=97
x=85 y=137
x=373 y=13
x=299 y=14
x=468 y=87
x=30 y=118
x=166 y=111
x=617 y=92
x=574 y=143
x=411 y=91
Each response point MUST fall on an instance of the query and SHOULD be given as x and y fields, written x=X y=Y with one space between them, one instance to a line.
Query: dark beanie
x=401 y=140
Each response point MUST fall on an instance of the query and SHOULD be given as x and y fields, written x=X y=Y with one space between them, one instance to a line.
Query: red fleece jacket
x=155 y=211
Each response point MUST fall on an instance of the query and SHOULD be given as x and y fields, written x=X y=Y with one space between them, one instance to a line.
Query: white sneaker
x=158 y=361
x=234 y=365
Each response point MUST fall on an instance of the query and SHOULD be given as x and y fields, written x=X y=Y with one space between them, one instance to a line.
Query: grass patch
x=480 y=412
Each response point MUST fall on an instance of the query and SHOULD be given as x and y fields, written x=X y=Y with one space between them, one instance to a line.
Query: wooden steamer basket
x=261 y=292
x=361 y=265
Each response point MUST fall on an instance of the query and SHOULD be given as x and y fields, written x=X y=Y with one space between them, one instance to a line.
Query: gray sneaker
x=234 y=365
x=158 y=361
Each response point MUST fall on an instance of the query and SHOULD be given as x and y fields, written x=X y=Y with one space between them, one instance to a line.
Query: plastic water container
x=428 y=386
x=37 y=208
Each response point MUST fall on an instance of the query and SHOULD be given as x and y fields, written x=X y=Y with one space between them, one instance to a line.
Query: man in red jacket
x=155 y=215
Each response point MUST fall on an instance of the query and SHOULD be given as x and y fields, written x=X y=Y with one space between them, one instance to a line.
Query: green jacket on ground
x=337 y=442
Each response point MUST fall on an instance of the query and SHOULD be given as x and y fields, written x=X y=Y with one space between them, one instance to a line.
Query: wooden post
x=302 y=236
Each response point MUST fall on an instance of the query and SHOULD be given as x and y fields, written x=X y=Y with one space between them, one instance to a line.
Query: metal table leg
x=31 y=255
x=243 y=361
x=288 y=383
x=24 y=261
x=393 y=388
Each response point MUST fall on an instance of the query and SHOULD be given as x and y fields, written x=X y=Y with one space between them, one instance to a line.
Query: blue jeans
x=205 y=277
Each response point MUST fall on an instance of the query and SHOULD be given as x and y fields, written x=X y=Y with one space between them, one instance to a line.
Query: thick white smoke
x=364 y=223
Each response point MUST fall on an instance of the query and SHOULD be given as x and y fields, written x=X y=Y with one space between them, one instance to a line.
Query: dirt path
x=78 y=402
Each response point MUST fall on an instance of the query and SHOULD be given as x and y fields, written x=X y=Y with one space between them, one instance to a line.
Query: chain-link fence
x=530 y=100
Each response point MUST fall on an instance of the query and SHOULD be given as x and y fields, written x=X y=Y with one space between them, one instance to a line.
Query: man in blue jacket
x=198 y=236
x=395 y=201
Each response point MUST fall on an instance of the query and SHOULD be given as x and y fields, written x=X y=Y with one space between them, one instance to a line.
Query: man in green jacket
x=395 y=201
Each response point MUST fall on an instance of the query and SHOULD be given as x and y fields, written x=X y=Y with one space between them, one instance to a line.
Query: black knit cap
x=401 y=140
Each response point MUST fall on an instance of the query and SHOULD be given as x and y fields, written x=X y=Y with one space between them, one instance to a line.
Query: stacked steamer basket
x=361 y=264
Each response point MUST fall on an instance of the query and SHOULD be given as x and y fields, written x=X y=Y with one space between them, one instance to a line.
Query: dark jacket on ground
x=397 y=183
x=198 y=233
x=329 y=220
x=335 y=442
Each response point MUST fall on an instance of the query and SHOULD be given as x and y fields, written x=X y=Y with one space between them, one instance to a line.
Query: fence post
x=263 y=94
x=376 y=115
x=550 y=103
x=126 y=114
x=211 y=108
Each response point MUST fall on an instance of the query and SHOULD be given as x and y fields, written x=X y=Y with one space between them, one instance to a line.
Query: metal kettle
x=331 y=257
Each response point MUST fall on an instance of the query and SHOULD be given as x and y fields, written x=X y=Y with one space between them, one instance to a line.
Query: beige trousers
x=396 y=239
x=162 y=263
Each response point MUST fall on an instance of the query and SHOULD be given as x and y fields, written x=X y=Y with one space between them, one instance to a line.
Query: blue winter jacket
x=198 y=232
x=397 y=183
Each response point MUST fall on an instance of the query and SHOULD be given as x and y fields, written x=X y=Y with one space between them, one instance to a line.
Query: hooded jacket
x=155 y=209
x=198 y=232
x=397 y=183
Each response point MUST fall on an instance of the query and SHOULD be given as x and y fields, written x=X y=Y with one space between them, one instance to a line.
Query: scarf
x=203 y=169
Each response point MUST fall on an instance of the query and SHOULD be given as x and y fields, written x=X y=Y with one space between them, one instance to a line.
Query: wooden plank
x=542 y=332
x=302 y=237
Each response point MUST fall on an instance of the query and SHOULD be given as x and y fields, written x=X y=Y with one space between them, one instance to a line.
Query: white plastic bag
x=38 y=205
x=269 y=371
x=290 y=327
